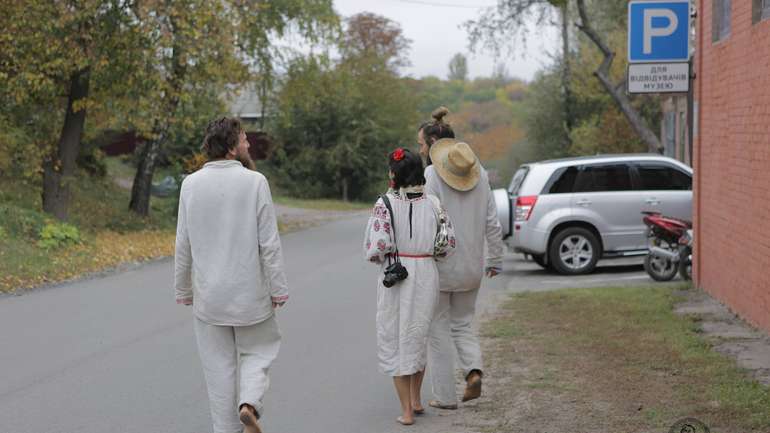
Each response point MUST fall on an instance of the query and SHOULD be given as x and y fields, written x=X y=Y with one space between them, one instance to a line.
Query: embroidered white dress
x=405 y=311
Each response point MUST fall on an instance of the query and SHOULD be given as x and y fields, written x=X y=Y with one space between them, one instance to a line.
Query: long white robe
x=228 y=261
x=405 y=311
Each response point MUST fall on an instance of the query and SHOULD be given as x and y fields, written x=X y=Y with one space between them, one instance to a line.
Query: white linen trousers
x=235 y=362
x=451 y=332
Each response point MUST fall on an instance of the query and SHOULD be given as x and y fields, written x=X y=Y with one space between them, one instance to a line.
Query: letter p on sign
x=658 y=31
x=651 y=32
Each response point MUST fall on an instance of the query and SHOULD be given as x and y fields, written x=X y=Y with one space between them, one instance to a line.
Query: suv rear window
x=599 y=178
x=518 y=179
x=657 y=177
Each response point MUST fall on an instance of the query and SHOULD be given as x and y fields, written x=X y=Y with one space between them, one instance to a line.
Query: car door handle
x=652 y=201
x=583 y=202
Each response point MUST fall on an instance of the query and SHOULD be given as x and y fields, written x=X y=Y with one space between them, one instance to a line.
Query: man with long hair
x=229 y=267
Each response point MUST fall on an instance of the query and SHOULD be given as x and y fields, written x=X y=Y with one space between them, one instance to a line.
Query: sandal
x=473 y=387
x=438 y=405
x=418 y=411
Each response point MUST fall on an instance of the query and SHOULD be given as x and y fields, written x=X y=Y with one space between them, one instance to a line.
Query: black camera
x=393 y=274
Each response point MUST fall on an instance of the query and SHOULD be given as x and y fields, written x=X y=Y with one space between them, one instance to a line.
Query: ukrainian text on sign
x=658 y=78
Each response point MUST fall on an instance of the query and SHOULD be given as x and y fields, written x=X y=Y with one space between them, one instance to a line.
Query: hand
x=492 y=272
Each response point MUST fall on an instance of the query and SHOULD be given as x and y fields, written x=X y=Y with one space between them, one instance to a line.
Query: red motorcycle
x=670 y=247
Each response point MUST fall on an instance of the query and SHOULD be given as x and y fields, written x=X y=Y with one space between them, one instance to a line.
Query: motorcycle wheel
x=660 y=269
x=685 y=265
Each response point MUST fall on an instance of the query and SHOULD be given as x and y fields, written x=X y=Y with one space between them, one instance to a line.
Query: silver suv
x=569 y=213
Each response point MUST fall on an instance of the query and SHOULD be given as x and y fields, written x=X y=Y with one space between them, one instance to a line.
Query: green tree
x=597 y=23
x=335 y=127
x=599 y=124
x=458 y=67
x=53 y=56
x=337 y=120
x=544 y=113
x=196 y=45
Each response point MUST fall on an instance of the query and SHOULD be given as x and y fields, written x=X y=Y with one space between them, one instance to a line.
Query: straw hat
x=455 y=163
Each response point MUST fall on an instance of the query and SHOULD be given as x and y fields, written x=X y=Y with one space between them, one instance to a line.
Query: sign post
x=659 y=50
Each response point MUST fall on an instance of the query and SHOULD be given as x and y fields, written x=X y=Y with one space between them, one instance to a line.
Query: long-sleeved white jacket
x=474 y=216
x=228 y=259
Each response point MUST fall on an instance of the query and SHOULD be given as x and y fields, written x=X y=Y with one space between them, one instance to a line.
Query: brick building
x=732 y=155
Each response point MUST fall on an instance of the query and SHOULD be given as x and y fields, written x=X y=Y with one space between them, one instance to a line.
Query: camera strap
x=385 y=200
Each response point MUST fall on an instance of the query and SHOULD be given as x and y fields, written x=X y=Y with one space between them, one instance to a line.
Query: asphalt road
x=116 y=354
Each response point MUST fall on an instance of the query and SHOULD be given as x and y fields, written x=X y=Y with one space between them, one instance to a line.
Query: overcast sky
x=434 y=28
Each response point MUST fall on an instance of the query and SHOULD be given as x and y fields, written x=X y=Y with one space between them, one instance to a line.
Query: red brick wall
x=732 y=163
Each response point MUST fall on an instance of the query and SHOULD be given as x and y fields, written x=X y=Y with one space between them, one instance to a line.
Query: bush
x=21 y=222
x=93 y=162
x=193 y=162
x=55 y=235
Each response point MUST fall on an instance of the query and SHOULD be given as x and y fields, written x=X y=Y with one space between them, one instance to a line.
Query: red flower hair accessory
x=398 y=154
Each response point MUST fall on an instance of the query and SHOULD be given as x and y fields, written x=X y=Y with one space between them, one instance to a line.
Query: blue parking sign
x=659 y=31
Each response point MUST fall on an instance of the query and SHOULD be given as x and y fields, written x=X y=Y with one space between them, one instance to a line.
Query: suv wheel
x=574 y=251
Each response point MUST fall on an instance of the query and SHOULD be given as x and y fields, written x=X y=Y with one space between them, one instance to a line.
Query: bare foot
x=418 y=409
x=405 y=421
x=248 y=417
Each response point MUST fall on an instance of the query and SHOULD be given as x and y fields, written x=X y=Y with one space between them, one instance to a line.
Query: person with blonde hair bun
x=456 y=177
x=432 y=131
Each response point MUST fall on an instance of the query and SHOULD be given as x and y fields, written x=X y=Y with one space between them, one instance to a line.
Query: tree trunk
x=263 y=101
x=637 y=121
x=566 y=77
x=59 y=167
x=616 y=91
x=345 y=189
x=140 y=191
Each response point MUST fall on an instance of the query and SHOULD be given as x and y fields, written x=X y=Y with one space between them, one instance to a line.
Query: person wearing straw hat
x=457 y=178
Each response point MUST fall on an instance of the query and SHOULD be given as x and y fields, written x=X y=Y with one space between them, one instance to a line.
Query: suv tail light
x=524 y=206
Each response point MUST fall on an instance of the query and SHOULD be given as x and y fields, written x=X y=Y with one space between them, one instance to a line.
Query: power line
x=443 y=5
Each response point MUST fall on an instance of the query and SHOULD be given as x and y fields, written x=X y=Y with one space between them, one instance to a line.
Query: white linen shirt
x=228 y=259
x=474 y=217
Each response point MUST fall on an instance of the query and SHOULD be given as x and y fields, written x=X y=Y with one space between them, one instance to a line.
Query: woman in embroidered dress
x=405 y=310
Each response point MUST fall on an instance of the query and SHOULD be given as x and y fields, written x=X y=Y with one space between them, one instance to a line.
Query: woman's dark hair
x=437 y=129
x=222 y=135
x=406 y=167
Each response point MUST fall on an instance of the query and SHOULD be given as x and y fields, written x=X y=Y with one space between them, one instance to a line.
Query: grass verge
x=109 y=234
x=611 y=359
